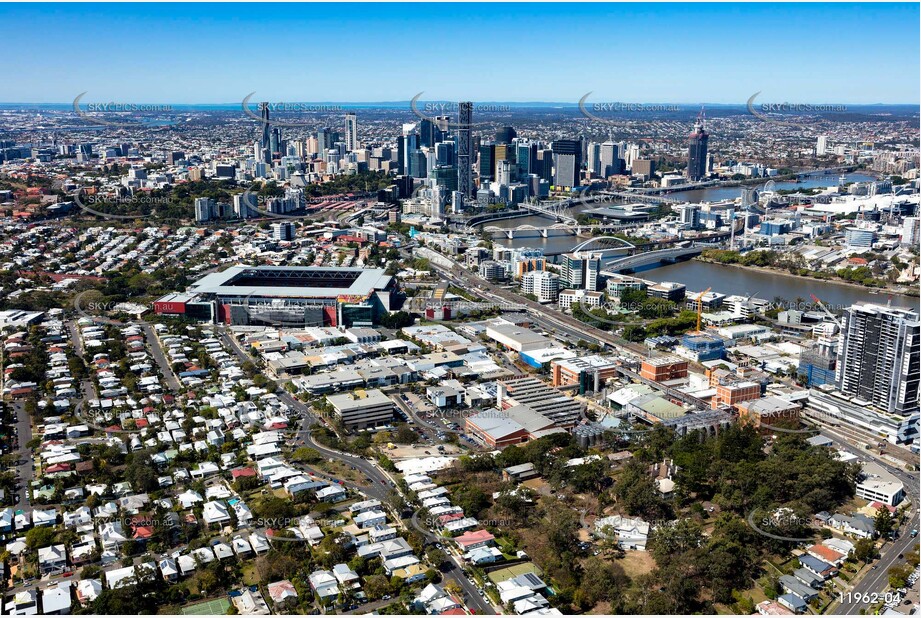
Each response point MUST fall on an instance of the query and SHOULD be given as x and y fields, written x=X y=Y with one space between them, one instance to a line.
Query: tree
x=405 y=435
x=307 y=455
x=884 y=522
x=865 y=550
x=376 y=586
x=39 y=537
x=601 y=581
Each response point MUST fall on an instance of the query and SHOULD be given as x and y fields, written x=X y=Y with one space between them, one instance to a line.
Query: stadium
x=287 y=295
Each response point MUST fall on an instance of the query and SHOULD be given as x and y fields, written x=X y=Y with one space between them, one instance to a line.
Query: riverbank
x=836 y=281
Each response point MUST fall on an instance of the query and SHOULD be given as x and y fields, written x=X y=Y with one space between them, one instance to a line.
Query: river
x=556 y=245
x=698 y=276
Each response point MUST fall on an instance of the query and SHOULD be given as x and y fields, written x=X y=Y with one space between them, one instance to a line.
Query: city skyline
x=618 y=52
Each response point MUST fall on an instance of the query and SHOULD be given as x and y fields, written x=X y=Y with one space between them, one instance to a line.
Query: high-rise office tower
x=593 y=161
x=504 y=172
x=697 y=151
x=567 y=162
x=407 y=144
x=611 y=160
x=266 y=142
x=464 y=149
x=444 y=154
x=505 y=135
x=324 y=140
x=426 y=133
x=879 y=357
x=487 y=161
x=351 y=132
x=545 y=164
x=525 y=158
x=417 y=164
x=442 y=126
x=821 y=145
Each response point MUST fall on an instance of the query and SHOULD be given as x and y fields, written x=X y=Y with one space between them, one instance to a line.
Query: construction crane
x=700 y=304
x=833 y=317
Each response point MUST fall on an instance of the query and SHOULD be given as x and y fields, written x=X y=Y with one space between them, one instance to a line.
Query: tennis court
x=212 y=607
x=500 y=575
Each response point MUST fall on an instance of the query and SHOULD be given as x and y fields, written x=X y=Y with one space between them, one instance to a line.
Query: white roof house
x=324 y=584
x=120 y=577
x=215 y=513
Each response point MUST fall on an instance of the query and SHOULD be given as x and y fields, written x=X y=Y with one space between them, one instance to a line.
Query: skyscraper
x=426 y=133
x=464 y=149
x=821 y=145
x=444 y=154
x=879 y=357
x=697 y=151
x=441 y=129
x=504 y=172
x=351 y=132
x=324 y=141
x=567 y=162
x=611 y=160
x=487 y=161
x=265 y=143
x=505 y=135
x=593 y=161
x=526 y=158
x=408 y=143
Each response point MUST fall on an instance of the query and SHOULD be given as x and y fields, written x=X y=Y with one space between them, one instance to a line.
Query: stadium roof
x=292 y=281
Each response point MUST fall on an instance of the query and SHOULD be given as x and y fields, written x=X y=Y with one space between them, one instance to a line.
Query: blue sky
x=670 y=53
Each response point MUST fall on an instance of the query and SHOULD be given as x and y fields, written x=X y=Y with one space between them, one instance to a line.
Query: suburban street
x=153 y=343
x=875 y=581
